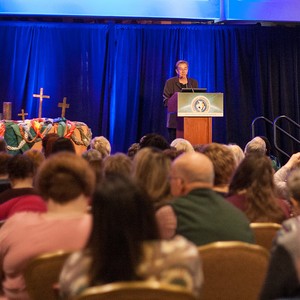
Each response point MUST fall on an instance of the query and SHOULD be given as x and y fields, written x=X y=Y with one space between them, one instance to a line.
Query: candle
x=7 y=110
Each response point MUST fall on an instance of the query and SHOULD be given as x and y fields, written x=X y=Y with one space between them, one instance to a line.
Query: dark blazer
x=172 y=86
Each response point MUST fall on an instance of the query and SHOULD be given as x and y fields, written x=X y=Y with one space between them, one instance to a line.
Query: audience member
x=3 y=145
x=256 y=145
x=224 y=165
x=45 y=140
x=118 y=163
x=63 y=144
x=173 y=153
x=199 y=147
x=252 y=190
x=128 y=249
x=132 y=150
x=49 y=144
x=37 y=158
x=97 y=166
x=182 y=144
x=101 y=144
x=154 y=140
x=94 y=158
x=238 y=153
x=4 y=180
x=91 y=154
x=20 y=174
x=280 y=177
x=25 y=203
x=151 y=170
x=66 y=182
x=282 y=280
x=198 y=213
x=275 y=161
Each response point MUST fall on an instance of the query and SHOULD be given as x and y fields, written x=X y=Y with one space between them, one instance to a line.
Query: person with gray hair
x=256 y=145
x=283 y=280
x=197 y=212
x=181 y=144
x=101 y=144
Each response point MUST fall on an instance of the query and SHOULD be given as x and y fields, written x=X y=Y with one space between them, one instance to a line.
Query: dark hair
x=254 y=175
x=49 y=145
x=3 y=145
x=154 y=140
x=4 y=159
x=46 y=139
x=63 y=144
x=123 y=218
x=20 y=167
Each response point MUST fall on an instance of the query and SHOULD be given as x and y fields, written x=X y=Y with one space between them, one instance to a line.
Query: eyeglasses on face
x=182 y=69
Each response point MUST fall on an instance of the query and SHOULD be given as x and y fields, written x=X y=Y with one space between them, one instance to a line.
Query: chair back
x=233 y=270
x=136 y=290
x=42 y=274
x=265 y=233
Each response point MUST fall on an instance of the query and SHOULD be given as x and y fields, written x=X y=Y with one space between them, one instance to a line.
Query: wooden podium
x=194 y=123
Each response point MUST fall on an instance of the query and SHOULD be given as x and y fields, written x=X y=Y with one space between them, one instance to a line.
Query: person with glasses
x=197 y=212
x=173 y=85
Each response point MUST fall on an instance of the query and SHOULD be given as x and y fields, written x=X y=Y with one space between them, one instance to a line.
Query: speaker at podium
x=195 y=111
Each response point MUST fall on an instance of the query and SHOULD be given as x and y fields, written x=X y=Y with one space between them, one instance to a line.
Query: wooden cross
x=41 y=96
x=23 y=114
x=63 y=106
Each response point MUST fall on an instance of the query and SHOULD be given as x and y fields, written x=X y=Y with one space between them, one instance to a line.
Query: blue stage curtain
x=113 y=74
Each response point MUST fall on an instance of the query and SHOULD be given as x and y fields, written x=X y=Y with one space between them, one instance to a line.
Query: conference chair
x=265 y=233
x=42 y=274
x=136 y=290
x=233 y=270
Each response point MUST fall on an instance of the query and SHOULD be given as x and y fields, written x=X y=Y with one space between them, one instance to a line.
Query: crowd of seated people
x=141 y=215
x=66 y=183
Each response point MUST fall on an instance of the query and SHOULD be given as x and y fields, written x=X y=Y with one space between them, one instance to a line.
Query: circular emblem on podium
x=200 y=104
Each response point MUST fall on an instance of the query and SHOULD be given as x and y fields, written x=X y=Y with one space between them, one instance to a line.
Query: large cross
x=41 y=96
x=63 y=106
x=23 y=114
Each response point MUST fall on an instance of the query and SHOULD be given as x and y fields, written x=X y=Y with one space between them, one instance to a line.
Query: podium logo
x=200 y=104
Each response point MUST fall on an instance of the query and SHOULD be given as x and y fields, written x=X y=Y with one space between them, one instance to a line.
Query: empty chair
x=233 y=270
x=42 y=274
x=264 y=233
x=136 y=290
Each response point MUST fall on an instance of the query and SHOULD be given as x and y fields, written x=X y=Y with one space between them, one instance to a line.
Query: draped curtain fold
x=113 y=74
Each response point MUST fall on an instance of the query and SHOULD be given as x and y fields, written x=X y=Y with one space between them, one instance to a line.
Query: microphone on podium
x=190 y=86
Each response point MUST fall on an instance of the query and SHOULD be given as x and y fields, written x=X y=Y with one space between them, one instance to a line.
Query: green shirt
x=204 y=217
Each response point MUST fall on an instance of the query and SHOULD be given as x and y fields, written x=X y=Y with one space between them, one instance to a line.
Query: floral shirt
x=173 y=261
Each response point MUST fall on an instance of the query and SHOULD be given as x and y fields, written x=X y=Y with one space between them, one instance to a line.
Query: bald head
x=194 y=168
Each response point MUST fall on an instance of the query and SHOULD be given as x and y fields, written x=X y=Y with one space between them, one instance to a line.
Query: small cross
x=41 y=96
x=63 y=106
x=23 y=114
